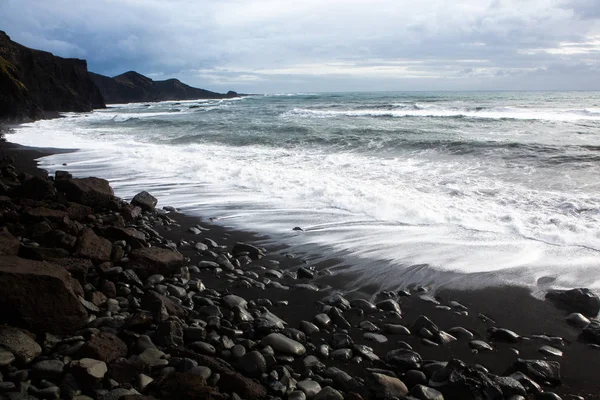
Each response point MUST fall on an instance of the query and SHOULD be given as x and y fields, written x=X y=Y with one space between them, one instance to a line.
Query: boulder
x=457 y=381
x=37 y=188
x=93 y=192
x=580 y=300
x=105 y=347
x=145 y=201
x=54 y=307
x=9 y=245
x=96 y=248
x=20 y=344
x=78 y=212
x=149 y=261
x=591 y=332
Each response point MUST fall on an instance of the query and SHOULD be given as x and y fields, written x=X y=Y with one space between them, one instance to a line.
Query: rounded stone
x=283 y=344
x=253 y=364
x=6 y=358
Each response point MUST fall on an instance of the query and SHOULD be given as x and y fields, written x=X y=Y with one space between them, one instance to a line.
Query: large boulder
x=580 y=300
x=149 y=261
x=145 y=201
x=39 y=295
x=9 y=245
x=92 y=246
x=37 y=188
x=93 y=192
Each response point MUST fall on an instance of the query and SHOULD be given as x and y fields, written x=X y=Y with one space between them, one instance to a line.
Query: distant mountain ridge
x=36 y=84
x=133 y=87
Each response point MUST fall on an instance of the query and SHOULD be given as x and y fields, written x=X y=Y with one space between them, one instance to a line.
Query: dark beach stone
x=422 y=392
x=341 y=354
x=461 y=333
x=389 y=305
x=252 y=251
x=423 y=322
x=253 y=364
x=36 y=188
x=309 y=387
x=551 y=351
x=145 y=201
x=93 y=192
x=19 y=343
x=170 y=333
x=341 y=340
x=203 y=348
x=577 y=319
x=503 y=335
x=457 y=381
x=591 y=331
x=337 y=317
x=283 y=344
x=480 y=345
x=48 y=369
x=231 y=301
x=105 y=347
x=55 y=306
x=396 y=329
x=6 y=358
x=342 y=380
x=385 y=386
x=577 y=300
x=155 y=260
x=89 y=369
x=404 y=359
x=339 y=301
x=375 y=337
x=541 y=371
x=414 y=377
x=89 y=245
x=305 y=273
x=322 y=320
x=368 y=326
x=510 y=386
x=329 y=393
x=9 y=245
x=309 y=328
x=364 y=305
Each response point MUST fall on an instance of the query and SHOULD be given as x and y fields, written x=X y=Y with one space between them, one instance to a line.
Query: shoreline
x=510 y=307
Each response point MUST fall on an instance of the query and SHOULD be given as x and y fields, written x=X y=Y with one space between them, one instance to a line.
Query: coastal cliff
x=36 y=84
x=132 y=87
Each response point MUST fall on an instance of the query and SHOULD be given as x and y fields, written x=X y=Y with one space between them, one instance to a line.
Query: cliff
x=132 y=87
x=36 y=84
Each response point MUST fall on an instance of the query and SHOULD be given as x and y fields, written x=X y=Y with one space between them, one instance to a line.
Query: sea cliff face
x=132 y=87
x=36 y=84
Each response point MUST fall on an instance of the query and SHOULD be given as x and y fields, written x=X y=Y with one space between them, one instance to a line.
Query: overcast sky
x=324 y=45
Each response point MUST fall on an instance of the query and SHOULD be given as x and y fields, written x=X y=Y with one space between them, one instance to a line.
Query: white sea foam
x=466 y=215
x=419 y=110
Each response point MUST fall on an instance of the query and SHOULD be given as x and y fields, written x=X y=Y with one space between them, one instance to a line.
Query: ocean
x=446 y=189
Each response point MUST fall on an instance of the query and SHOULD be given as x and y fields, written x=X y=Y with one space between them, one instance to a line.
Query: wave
x=420 y=110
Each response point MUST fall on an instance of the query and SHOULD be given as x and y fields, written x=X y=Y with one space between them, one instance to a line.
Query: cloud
x=273 y=45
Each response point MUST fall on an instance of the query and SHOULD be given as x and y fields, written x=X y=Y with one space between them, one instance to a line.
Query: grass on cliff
x=8 y=69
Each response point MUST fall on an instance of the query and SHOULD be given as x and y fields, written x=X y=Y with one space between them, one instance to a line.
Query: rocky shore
x=107 y=299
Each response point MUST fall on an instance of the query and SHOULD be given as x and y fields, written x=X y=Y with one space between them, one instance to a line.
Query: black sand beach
x=537 y=323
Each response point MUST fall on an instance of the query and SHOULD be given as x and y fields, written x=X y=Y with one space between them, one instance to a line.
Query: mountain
x=36 y=84
x=132 y=87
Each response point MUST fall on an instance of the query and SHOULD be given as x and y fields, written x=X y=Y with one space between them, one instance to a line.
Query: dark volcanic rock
x=19 y=343
x=133 y=87
x=92 y=246
x=541 y=371
x=93 y=192
x=37 y=84
x=39 y=295
x=457 y=381
x=592 y=331
x=145 y=201
x=105 y=347
x=155 y=260
x=576 y=300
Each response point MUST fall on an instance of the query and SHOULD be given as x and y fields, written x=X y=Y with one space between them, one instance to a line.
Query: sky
x=273 y=46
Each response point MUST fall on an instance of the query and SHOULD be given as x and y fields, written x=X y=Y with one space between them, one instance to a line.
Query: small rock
x=551 y=351
x=329 y=393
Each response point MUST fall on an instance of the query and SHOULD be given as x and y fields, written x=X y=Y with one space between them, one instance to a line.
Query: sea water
x=435 y=188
